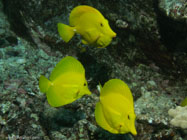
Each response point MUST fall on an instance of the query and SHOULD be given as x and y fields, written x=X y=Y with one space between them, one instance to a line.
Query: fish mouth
x=114 y=35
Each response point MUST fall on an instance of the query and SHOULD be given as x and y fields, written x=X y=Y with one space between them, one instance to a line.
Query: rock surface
x=149 y=57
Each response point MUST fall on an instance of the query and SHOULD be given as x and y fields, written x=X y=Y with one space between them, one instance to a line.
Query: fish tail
x=44 y=84
x=66 y=32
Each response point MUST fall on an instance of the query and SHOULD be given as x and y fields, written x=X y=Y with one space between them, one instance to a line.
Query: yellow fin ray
x=117 y=86
x=66 y=32
x=100 y=119
x=61 y=95
x=44 y=84
x=67 y=65
x=78 y=11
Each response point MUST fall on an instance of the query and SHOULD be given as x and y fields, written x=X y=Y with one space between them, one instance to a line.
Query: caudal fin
x=66 y=32
x=44 y=84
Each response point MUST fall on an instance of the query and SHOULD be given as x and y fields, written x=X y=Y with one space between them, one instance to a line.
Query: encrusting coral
x=180 y=116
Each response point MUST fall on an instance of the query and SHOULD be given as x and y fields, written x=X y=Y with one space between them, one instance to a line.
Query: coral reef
x=179 y=117
x=174 y=8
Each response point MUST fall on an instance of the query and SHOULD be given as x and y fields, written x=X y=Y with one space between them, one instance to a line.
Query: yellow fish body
x=90 y=24
x=66 y=84
x=115 y=111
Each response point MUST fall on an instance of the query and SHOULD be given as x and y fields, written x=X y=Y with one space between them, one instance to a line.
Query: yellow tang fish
x=66 y=84
x=90 y=24
x=115 y=111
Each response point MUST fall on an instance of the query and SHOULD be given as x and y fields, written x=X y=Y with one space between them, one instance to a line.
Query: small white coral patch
x=179 y=116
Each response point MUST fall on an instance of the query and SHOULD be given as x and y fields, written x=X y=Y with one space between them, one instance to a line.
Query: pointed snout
x=133 y=131
x=113 y=34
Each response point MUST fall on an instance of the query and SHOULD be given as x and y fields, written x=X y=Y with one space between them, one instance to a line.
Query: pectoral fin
x=90 y=36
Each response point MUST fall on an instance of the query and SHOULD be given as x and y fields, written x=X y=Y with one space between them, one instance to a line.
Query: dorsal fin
x=117 y=86
x=78 y=11
x=67 y=64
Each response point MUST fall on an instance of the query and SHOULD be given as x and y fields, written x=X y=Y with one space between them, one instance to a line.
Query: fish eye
x=101 y=24
x=128 y=117
x=84 y=84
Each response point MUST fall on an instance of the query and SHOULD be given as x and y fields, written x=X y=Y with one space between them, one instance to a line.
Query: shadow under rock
x=98 y=72
x=101 y=134
x=173 y=32
x=62 y=118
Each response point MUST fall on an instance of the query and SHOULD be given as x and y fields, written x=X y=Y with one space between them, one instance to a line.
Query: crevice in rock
x=13 y=11
x=173 y=32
